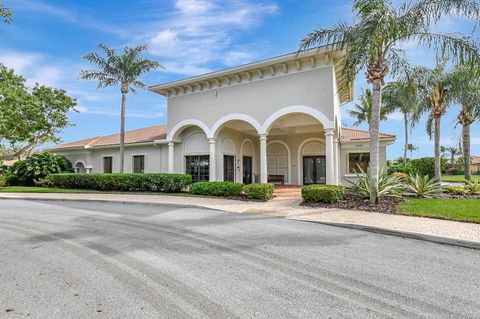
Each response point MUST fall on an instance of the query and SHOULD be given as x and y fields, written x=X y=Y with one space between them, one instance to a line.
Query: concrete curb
x=372 y=229
x=402 y=233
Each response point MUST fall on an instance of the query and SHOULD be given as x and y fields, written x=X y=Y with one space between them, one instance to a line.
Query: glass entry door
x=228 y=168
x=198 y=167
x=314 y=170
x=247 y=169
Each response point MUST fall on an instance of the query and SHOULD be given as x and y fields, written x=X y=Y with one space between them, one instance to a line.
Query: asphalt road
x=104 y=260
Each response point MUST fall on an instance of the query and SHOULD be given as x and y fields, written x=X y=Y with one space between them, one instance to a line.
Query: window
x=198 y=167
x=139 y=163
x=107 y=164
x=358 y=159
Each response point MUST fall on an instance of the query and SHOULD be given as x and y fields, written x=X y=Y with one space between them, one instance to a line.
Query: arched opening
x=80 y=167
x=291 y=130
x=236 y=137
x=194 y=153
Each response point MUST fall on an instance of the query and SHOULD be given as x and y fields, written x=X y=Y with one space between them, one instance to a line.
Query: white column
x=336 y=162
x=171 y=149
x=330 y=157
x=213 y=159
x=263 y=159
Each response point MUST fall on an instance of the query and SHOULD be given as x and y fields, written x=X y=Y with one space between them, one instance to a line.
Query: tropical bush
x=401 y=168
x=422 y=186
x=259 y=190
x=36 y=168
x=473 y=187
x=388 y=184
x=169 y=183
x=216 y=188
x=322 y=193
x=455 y=190
x=3 y=181
x=402 y=176
x=426 y=166
x=455 y=171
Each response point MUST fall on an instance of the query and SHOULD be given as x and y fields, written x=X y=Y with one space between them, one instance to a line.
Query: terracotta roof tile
x=141 y=135
x=352 y=135
x=475 y=159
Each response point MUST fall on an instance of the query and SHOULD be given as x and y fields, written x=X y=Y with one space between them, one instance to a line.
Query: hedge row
x=225 y=189
x=322 y=193
x=122 y=182
x=259 y=191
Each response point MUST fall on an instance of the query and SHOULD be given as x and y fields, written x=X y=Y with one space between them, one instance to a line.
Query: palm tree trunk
x=438 y=169
x=405 y=120
x=466 y=152
x=122 y=132
x=374 y=127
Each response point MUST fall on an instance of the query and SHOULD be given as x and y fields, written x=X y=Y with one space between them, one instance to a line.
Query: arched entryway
x=80 y=167
x=279 y=161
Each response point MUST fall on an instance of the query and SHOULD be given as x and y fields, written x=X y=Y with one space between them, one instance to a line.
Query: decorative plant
x=422 y=186
x=388 y=184
x=473 y=187
x=455 y=190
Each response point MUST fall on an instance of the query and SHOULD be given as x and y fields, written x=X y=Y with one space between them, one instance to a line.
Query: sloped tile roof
x=350 y=134
x=475 y=159
x=141 y=135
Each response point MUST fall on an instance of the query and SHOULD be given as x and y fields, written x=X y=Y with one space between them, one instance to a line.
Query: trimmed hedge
x=259 y=191
x=426 y=165
x=169 y=183
x=322 y=193
x=225 y=189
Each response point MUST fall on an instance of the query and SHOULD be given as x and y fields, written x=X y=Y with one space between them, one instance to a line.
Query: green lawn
x=458 y=178
x=464 y=210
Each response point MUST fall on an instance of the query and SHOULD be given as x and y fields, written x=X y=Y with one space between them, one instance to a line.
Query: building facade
x=274 y=120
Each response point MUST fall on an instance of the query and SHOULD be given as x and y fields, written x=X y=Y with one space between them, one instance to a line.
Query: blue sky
x=47 y=40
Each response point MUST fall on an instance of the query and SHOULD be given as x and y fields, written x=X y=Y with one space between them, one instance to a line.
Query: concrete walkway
x=288 y=206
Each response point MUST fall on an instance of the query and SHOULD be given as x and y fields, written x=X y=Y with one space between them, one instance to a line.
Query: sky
x=47 y=40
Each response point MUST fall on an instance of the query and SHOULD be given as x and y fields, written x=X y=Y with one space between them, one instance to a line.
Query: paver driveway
x=110 y=260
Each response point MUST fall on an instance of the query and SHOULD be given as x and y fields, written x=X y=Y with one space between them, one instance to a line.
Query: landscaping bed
x=352 y=201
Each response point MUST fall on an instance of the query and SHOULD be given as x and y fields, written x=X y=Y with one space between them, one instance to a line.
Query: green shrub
x=3 y=181
x=473 y=187
x=36 y=168
x=400 y=168
x=259 y=190
x=422 y=186
x=455 y=190
x=426 y=166
x=169 y=183
x=225 y=189
x=387 y=184
x=322 y=193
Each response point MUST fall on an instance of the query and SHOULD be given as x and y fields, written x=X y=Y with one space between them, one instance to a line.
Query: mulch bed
x=354 y=202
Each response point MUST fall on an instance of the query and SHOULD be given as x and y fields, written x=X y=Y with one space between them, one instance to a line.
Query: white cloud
x=200 y=32
x=396 y=116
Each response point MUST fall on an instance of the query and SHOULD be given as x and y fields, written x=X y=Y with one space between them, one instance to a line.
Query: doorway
x=247 y=169
x=314 y=170
x=228 y=168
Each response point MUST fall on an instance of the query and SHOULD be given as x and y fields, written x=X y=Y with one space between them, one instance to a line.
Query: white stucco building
x=273 y=120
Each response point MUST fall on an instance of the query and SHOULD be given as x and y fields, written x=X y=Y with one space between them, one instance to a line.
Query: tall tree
x=412 y=148
x=373 y=42
x=468 y=95
x=29 y=117
x=124 y=70
x=453 y=152
x=362 y=112
x=439 y=87
x=5 y=13
x=402 y=95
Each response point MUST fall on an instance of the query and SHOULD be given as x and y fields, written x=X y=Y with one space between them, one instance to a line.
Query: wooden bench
x=276 y=179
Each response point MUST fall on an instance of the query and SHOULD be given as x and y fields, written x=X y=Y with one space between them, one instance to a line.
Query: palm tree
x=362 y=112
x=440 y=87
x=120 y=69
x=469 y=97
x=453 y=152
x=5 y=13
x=412 y=148
x=402 y=95
x=374 y=42
x=443 y=150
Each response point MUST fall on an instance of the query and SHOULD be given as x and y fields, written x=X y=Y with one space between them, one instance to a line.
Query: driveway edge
x=372 y=229
x=402 y=233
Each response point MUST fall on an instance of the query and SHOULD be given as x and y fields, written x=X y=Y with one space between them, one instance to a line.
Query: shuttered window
x=107 y=164
x=138 y=163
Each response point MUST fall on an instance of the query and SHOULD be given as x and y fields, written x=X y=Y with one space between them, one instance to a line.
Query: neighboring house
x=475 y=165
x=276 y=119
